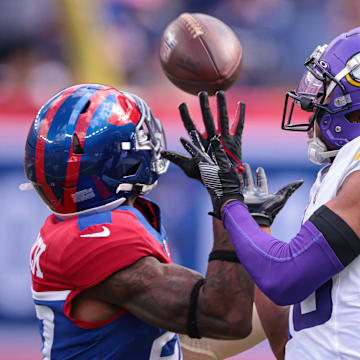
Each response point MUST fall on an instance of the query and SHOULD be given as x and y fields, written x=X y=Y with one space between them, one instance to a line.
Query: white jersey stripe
x=50 y=295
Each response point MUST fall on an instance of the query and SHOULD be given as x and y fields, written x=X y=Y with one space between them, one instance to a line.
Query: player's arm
x=286 y=272
x=341 y=215
x=346 y=206
x=216 y=349
x=274 y=319
x=161 y=295
x=325 y=244
x=269 y=320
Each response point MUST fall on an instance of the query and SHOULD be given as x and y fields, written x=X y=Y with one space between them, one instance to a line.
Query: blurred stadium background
x=46 y=45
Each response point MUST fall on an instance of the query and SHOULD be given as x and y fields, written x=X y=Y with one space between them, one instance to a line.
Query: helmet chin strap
x=318 y=152
x=140 y=188
x=143 y=188
x=107 y=207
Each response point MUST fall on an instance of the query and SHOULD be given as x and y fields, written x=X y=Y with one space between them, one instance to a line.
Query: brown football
x=199 y=52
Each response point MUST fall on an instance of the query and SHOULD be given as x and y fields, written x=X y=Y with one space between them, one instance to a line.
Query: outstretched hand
x=262 y=205
x=217 y=173
x=230 y=138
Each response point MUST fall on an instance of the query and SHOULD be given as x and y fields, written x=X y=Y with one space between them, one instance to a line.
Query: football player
x=103 y=281
x=318 y=272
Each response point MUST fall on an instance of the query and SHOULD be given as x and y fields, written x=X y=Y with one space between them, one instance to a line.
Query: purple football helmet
x=330 y=87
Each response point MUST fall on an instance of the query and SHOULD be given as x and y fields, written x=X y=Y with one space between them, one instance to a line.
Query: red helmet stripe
x=74 y=161
x=41 y=142
x=120 y=116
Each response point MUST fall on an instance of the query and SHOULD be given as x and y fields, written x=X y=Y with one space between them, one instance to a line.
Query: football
x=200 y=52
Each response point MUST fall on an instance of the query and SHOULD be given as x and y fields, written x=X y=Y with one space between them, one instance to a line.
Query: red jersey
x=72 y=255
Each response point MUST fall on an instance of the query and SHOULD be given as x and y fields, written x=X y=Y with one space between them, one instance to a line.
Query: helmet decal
x=354 y=76
x=352 y=80
x=75 y=154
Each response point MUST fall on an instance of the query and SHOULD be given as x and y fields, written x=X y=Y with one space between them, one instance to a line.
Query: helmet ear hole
x=132 y=170
x=77 y=149
x=85 y=108
x=353 y=117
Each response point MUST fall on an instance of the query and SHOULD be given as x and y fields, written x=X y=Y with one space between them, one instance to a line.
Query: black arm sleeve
x=342 y=239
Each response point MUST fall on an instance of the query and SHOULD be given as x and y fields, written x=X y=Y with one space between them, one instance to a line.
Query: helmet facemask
x=149 y=136
x=314 y=89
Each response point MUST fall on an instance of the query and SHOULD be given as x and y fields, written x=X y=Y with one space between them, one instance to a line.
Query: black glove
x=231 y=141
x=186 y=163
x=219 y=177
x=263 y=206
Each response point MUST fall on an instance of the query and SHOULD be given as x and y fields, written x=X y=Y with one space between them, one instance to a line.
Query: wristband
x=224 y=255
x=191 y=325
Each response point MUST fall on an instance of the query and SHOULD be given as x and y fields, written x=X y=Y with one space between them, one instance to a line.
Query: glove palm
x=217 y=174
x=262 y=205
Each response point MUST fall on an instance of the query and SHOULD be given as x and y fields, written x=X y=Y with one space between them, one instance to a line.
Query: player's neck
x=130 y=201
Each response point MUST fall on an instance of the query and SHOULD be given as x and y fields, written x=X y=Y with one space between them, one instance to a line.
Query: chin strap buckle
x=136 y=188
x=306 y=104
x=26 y=186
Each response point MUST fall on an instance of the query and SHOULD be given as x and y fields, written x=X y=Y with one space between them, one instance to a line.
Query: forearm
x=286 y=272
x=222 y=239
x=215 y=349
x=227 y=295
x=159 y=294
x=274 y=320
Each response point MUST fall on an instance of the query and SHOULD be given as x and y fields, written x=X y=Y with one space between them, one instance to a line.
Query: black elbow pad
x=342 y=239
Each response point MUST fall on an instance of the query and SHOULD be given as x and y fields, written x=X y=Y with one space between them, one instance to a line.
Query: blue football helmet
x=91 y=145
x=330 y=87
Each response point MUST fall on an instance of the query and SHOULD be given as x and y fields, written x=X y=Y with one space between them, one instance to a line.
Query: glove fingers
x=186 y=164
x=194 y=151
x=222 y=114
x=285 y=193
x=289 y=189
x=185 y=117
x=206 y=114
x=261 y=181
x=195 y=135
x=195 y=138
x=248 y=178
x=174 y=157
x=221 y=158
x=238 y=125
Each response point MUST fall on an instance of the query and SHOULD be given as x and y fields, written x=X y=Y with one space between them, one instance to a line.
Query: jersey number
x=314 y=310
x=36 y=251
x=166 y=347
